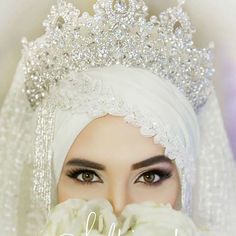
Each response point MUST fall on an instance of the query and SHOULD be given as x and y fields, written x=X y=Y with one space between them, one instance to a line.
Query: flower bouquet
x=77 y=217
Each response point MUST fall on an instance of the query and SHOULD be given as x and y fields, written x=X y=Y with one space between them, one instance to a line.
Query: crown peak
x=118 y=33
x=120 y=6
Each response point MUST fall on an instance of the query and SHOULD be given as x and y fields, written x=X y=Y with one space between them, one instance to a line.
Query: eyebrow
x=151 y=161
x=94 y=165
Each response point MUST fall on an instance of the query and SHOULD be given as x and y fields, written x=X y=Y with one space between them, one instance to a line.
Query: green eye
x=149 y=178
x=153 y=177
x=87 y=176
x=84 y=176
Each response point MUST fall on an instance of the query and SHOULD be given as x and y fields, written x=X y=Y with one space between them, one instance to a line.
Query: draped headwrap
x=34 y=143
x=144 y=100
x=140 y=88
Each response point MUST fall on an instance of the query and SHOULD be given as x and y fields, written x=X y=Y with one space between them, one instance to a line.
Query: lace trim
x=91 y=96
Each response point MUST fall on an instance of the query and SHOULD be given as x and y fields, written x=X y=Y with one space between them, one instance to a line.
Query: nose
x=118 y=197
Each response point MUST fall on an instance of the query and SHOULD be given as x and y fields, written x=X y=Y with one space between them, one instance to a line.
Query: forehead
x=110 y=137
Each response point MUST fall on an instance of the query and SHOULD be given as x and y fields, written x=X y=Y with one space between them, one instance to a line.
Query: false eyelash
x=164 y=174
x=75 y=172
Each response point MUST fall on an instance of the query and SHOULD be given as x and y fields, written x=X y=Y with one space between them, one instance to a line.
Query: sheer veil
x=16 y=123
x=214 y=194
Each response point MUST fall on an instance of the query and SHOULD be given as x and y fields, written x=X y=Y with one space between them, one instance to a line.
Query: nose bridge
x=119 y=195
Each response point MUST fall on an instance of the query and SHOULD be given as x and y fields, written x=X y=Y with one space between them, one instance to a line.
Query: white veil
x=214 y=194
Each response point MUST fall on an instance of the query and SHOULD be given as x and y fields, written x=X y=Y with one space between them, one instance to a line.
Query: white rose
x=152 y=219
x=148 y=218
x=76 y=217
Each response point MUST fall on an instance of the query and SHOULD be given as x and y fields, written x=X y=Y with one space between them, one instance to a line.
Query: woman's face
x=111 y=159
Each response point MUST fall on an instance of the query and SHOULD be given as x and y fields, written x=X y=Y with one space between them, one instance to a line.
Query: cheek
x=64 y=190
x=68 y=188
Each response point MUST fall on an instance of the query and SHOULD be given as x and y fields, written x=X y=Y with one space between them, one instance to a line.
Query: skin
x=116 y=145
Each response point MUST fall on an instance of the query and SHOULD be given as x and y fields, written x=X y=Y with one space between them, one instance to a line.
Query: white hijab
x=140 y=88
x=144 y=100
x=189 y=138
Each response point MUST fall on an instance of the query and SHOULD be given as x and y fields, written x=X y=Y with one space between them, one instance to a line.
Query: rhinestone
x=164 y=47
x=60 y=22
x=153 y=19
x=120 y=6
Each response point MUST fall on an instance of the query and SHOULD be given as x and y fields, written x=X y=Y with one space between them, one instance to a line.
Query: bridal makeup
x=111 y=159
x=86 y=172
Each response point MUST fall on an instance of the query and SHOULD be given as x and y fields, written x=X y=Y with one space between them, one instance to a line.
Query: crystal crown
x=119 y=32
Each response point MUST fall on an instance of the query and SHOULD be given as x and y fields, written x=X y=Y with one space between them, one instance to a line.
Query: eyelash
x=162 y=174
x=76 y=172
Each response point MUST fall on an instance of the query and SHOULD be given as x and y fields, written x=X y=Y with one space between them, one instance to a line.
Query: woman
x=65 y=136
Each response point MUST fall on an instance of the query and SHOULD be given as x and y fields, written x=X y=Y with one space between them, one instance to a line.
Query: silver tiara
x=119 y=32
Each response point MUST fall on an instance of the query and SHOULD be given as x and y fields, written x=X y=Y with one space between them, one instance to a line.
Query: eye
x=84 y=176
x=153 y=177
